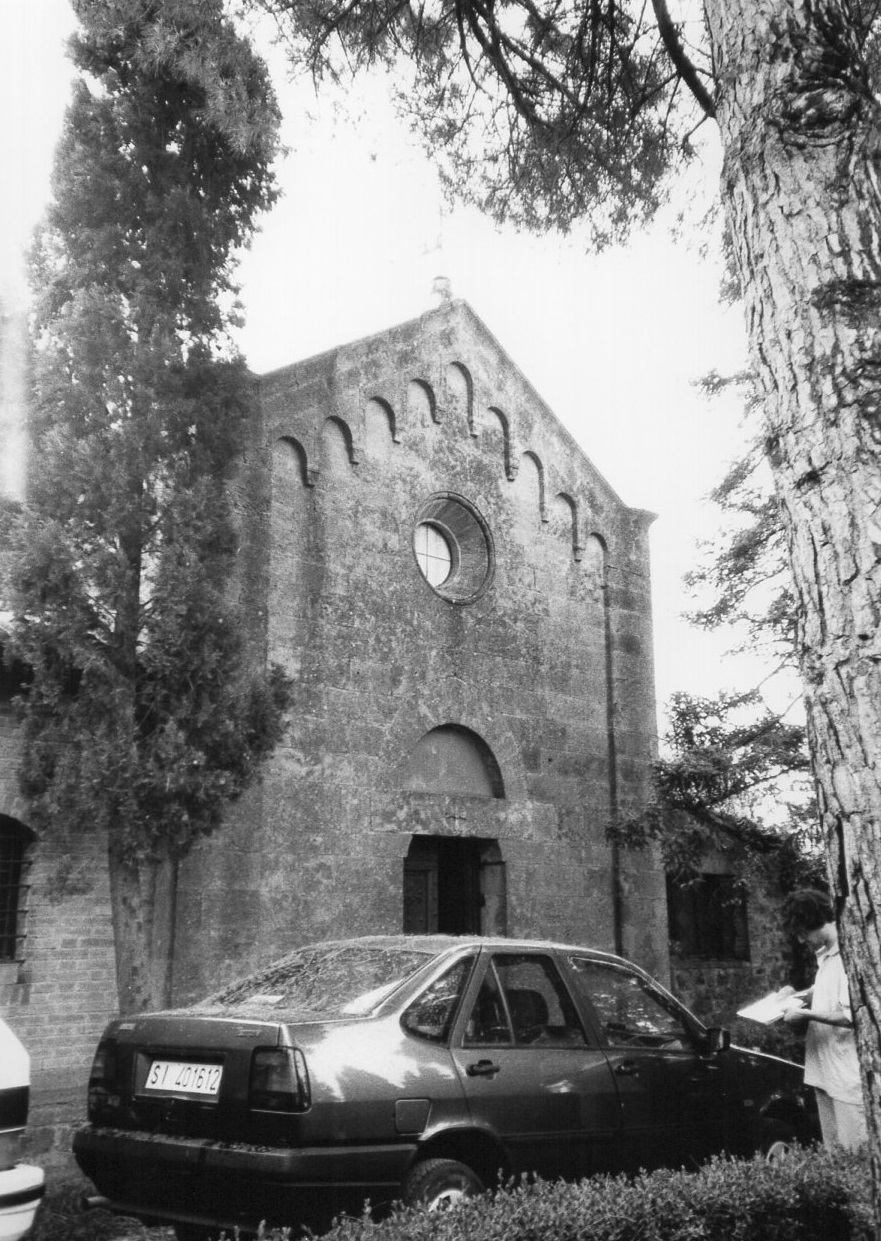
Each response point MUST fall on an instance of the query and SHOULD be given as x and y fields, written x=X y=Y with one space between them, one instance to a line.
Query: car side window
x=542 y=1012
x=431 y=1015
x=523 y=1001
x=630 y=1012
x=488 y=1021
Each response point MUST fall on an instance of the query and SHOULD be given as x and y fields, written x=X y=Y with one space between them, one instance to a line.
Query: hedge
x=809 y=1196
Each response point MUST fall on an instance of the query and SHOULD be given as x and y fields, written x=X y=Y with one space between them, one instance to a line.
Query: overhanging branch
x=683 y=64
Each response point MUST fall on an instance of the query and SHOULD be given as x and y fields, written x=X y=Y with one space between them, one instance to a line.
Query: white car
x=21 y=1185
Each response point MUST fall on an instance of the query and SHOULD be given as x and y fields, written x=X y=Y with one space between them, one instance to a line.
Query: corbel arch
x=536 y=461
x=566 y=507
x=346 y=431
x=378 y=412
x=421 y=401
x=288 y=447
x=460 y=392
x=497 y=417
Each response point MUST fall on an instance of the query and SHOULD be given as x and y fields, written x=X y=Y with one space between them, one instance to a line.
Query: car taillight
x=104 y=1065
x=102 y=1079
x=279 y=1081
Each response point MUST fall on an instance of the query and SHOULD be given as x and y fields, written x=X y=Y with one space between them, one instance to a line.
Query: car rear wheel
x=778 y=1139
x=436 y=1183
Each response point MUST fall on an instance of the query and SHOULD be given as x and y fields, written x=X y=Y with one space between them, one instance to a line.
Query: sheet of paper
x=771 y=1007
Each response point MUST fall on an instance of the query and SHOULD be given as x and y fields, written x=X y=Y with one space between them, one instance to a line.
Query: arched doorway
x=454 y=885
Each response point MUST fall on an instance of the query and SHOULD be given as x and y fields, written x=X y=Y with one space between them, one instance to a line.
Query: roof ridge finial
x=442 y=289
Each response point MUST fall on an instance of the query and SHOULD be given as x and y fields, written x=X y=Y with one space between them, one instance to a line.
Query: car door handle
x=483 y=1068
x=698 y=1079
x=627 y=1068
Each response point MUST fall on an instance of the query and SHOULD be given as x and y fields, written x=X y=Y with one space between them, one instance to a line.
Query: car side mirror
x=716 y=1040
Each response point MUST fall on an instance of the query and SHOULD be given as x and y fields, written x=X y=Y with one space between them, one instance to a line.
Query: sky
x=613 y=343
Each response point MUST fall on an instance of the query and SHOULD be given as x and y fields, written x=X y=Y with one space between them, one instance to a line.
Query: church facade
x=462 y=604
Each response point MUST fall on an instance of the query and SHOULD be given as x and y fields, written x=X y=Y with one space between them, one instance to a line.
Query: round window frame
x=470 y=541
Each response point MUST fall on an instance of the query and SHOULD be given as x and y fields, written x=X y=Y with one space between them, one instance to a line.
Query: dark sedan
x=415 y=1068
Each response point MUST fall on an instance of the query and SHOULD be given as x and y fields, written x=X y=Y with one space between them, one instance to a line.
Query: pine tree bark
x=801 y=134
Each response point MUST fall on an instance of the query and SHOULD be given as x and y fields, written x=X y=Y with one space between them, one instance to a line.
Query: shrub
x=809 y=1196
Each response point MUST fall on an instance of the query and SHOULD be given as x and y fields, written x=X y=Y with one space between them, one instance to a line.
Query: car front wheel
x=436 y=1183
x=778 y=1139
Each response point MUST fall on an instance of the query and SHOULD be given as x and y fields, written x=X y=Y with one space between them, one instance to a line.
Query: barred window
x=708 y=919
x=14 y=841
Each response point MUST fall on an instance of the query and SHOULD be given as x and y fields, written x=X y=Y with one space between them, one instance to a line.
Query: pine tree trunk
x=801 y=135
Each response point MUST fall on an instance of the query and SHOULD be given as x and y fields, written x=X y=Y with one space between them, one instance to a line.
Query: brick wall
x=65 y=989
x=59 y=997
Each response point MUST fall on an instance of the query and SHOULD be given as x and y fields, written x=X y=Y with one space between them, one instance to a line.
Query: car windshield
x=326 y=980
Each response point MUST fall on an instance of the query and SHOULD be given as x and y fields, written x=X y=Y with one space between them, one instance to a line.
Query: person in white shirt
x=831 y=1064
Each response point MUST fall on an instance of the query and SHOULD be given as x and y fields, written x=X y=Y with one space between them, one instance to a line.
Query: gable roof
x=451 y=329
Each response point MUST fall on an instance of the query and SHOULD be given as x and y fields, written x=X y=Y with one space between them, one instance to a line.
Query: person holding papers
x=831 y=1064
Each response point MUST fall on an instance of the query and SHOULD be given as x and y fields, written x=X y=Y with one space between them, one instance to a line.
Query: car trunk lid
x=226 y=1078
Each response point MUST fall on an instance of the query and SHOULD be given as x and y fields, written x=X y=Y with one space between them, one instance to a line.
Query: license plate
x=183 y=1077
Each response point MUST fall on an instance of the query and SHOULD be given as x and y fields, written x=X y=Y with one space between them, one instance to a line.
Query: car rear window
x=326 y=980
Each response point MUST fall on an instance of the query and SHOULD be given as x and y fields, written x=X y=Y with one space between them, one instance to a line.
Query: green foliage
x=724 y=763
x=810 y=1196
x=541 y=114
x=144 y=715
x=722 y=752
x=744 y=580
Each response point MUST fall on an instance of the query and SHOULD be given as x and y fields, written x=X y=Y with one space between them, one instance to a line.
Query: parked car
x=415 y=1068
x=21 y=1185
